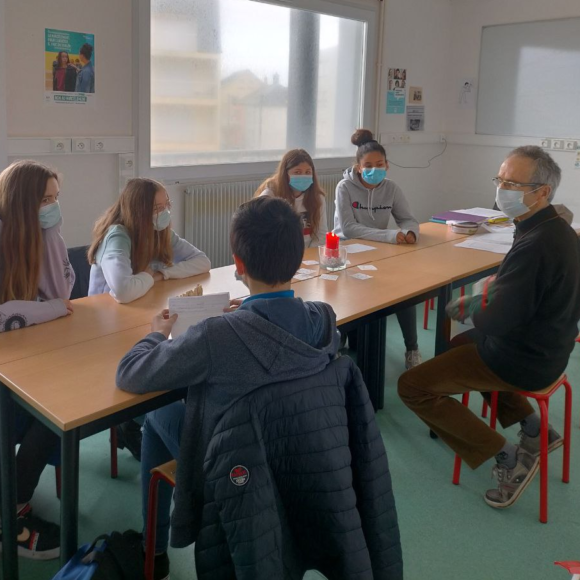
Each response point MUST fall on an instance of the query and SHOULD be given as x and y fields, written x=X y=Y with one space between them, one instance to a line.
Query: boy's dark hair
x=266 y=234
x=86 y=50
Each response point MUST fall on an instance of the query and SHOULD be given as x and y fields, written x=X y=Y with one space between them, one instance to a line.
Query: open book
x=191 y=310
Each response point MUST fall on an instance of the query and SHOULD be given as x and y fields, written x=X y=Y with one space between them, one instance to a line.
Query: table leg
x=8 y=486
x=371 y=347
x=69 y=505
x=443 y=325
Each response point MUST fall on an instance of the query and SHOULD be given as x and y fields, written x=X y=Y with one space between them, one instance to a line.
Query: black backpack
x=113 y=556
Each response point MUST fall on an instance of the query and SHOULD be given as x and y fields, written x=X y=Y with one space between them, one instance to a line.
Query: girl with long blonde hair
x=134 y=246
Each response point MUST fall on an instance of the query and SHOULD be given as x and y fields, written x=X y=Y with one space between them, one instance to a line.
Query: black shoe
x=161 y=569
x=37 y=539
x=129 y=435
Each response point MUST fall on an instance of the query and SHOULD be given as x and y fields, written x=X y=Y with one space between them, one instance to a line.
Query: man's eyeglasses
x=502 y=183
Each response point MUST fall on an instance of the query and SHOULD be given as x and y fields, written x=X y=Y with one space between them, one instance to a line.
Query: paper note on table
x=482 y=211
x=302 y=277
x=310 y=262
x=306 y=271
x=360 y=276
x=367 y=267
x=332 y=277
x=357 y=248
x=497 y=243
x=193 y=309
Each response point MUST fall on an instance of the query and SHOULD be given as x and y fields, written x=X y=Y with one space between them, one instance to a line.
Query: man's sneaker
x=512 y=482
x=37 y=539
x=532 y=444
x=161 y=569
x=129 y=435
x=412 y=359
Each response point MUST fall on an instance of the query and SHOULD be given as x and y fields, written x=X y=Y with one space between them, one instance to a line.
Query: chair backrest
x=80 y=264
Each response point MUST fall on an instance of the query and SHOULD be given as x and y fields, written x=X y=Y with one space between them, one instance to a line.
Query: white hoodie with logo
x=365 y=213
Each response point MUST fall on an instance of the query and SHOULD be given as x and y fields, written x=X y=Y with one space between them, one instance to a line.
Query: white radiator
x=209 y=209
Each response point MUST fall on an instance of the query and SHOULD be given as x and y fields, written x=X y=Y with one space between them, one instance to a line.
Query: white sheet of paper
x=332 y=277
x=357 y=248
x=367 y=267
x=360 y=276
x=310 y=262
x=497 y=243
x=501 y=228
x=191 y=310
x=303 y=277
x=306 y=271
x=482 y=211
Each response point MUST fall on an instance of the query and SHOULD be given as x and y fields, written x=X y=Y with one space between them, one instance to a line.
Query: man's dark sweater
x=530 y=323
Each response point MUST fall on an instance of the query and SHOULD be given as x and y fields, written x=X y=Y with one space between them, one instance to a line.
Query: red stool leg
x=457 y=466
x=432 y=303
x=114 y=465
x=462 y=291
x=58 y=479
x=543 y=403
x=151 y=526
x=567 y=432
x=493 y=417
x=426 y=315
x=484 y=408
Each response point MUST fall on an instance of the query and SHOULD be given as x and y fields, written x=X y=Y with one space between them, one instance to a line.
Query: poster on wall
x=415 y=118
x=69 y=67
x=467 y=93
x=416 y=96
x=397 y=78
x=396 y=102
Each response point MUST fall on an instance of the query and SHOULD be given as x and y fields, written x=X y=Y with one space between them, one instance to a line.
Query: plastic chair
x=431 y=304
x=572 y=567
x=165 y=472
x=543 y=399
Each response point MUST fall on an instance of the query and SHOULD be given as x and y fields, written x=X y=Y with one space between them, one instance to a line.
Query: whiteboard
x=529 y=79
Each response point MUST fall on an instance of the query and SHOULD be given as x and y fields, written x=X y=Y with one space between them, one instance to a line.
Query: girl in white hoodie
x=365 y=201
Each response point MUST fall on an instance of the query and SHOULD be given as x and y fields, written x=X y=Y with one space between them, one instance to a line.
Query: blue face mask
x=162 y=220
x=374 y=175
x=301 y=182
x=511 y=202
x=49 y=215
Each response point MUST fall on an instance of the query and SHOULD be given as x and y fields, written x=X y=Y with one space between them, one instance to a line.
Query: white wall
x=470 y=167
x=3 y=135
x=417 y=37
x=90 y=181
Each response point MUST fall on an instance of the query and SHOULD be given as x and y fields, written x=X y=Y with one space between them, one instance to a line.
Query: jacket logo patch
x=358 y=205
x=239 y=475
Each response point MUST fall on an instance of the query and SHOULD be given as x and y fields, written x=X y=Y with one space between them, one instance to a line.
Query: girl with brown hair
x=134 y=246
x=296 y=182
x=36 y=280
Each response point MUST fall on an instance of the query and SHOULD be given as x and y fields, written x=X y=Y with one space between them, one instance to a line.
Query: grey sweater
x=365 y=213
x=221 y=360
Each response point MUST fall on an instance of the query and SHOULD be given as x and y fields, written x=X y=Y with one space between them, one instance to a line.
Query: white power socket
x=81 y=145
x=59 y=145
x=558 y=144
x=98 y=145
x=546 y=144
x=571 y=145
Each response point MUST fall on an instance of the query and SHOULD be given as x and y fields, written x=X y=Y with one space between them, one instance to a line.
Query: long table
x=64 y=372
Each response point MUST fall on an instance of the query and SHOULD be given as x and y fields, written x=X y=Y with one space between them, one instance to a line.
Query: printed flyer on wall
x=69 y=68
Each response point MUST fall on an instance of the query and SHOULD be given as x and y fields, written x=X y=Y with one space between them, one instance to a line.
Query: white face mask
x=162 y=220
x=511 y=201
x=49 y=215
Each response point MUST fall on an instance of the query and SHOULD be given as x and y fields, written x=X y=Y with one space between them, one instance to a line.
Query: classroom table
x=63 y=373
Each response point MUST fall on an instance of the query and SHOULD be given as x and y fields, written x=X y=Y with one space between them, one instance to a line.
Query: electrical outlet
x=405 y=138
x=98 y=145
x=81 y=145
x=558 y=144
x=546 y=144
x=571 y=145
x=60 y=145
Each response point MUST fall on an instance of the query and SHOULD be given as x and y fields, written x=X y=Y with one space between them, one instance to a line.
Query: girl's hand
x=158 y=277
x=69 y=307
x=401 y=238
x=149 y=271
x=234 y=305
x=411 y=238
x=163 y=323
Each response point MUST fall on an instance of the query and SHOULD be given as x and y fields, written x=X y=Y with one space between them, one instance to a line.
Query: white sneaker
x=413 y=359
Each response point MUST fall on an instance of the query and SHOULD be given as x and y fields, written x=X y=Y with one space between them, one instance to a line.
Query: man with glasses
x=525 y=323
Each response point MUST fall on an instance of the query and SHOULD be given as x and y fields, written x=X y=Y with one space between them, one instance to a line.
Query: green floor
x=448 y=532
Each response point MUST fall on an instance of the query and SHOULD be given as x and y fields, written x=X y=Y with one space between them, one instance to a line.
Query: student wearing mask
x=133 y=248
x=295 y=181
x=365 y=202
x=36 y=280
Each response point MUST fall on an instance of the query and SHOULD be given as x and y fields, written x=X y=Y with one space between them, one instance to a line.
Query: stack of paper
x=497 y=243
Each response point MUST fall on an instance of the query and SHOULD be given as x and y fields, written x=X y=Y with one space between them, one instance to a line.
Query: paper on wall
x=192 y=310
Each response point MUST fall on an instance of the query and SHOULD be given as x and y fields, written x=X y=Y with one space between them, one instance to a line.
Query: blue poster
x=396 y=102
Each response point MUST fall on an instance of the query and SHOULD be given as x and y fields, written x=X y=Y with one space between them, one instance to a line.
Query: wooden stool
x=543 y=399
x=165 y=472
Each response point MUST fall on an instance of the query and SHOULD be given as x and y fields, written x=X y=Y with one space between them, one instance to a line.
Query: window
x=237 y=81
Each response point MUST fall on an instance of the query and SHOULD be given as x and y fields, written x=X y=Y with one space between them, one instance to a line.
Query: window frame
x=360 y=10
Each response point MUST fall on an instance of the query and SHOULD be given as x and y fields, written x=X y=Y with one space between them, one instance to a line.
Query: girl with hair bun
x=365 y=201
